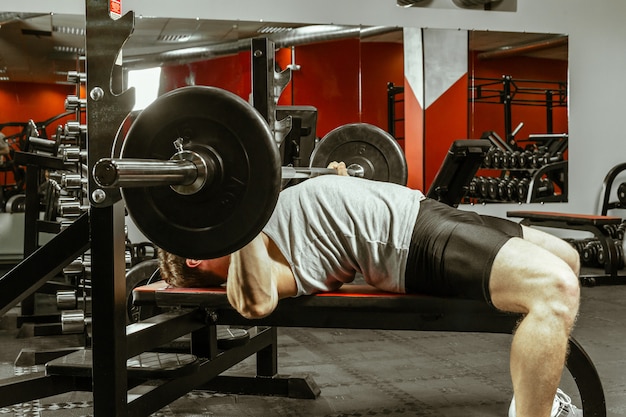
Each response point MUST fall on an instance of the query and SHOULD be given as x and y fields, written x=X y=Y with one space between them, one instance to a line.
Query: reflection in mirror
x=518 y=100
x=335 y=74
x=342 y=74
x=338 y=75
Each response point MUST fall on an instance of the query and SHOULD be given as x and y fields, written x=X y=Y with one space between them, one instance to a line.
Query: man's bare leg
x=553 y=244
x=529 y=279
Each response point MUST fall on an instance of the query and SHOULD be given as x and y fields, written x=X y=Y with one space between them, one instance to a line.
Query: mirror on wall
x=337 y=74
x=337 y=69
x=514 y=89
x=518 y=98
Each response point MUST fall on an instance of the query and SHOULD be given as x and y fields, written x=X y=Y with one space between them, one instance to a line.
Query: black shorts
x=452 y=251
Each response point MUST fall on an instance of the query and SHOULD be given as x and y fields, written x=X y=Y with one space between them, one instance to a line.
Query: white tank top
x=330 y=228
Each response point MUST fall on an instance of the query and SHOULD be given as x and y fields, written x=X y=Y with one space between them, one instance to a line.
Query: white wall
x=597 y=60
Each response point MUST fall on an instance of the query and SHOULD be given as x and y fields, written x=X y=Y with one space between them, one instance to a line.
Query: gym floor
x=371 y=373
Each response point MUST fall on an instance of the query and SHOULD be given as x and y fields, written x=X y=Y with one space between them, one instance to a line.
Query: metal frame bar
x=44 y=263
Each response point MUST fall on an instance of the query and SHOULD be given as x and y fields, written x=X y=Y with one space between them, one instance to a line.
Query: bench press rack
x=123 y=370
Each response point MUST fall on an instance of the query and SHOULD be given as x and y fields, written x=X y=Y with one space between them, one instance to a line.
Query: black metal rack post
x=106 y=110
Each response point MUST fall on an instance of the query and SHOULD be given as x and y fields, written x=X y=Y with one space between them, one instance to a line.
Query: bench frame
x=354 y=307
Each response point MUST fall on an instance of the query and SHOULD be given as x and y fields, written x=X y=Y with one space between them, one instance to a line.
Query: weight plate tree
x=242 y=172
x=365 y=146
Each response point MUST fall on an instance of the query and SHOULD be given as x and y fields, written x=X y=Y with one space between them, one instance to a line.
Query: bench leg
x=267 y=358
x=264 y=342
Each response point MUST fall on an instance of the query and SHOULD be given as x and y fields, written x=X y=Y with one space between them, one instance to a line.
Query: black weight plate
x=226 y=213
x=230 y=337
x=366 y=145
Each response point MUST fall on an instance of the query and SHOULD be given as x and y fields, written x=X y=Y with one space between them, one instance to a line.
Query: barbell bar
x=186 y=172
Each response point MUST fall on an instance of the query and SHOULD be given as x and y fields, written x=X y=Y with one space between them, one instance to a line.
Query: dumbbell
x=522 y=189
x=545 y=188
x=502 y=190
x=512 y=159
x=482 y=187
x=611 y=230
x=525 y=159
x=498 y=159
x=69 y=300
x=471 y=189
x=589 y=254
x=621 y=194
x=620 y=253
x=511 y=189
x=621 y=229
x=75 y=322
x=488 y=159
x=492 y=188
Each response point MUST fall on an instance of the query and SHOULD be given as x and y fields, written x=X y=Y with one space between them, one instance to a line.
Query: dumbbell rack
x=530 y=174
x=59 y=159
x=512 y=174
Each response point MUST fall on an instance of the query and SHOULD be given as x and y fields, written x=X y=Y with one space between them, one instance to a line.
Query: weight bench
x=584 y=222
x=354 y=306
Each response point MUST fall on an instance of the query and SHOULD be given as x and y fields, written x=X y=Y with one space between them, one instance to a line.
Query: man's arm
x=258 y=277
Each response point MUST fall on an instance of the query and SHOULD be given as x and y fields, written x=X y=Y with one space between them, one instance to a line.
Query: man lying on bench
x=326 y=229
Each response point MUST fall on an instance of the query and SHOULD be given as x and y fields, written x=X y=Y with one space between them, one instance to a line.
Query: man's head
x=182 y=272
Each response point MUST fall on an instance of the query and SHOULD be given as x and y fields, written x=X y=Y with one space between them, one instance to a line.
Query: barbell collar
x=356 y=170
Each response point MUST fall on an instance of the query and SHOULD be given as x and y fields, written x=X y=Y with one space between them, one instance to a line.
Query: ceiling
x=43 y=48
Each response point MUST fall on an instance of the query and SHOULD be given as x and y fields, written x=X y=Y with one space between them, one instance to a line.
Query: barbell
x=199 y=169
x=187 y=172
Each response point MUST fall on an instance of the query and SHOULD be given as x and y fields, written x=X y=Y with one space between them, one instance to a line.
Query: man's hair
x=175 y=271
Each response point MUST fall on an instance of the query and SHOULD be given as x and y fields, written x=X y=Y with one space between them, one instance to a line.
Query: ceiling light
x=274 y=29
x=68 y=30
x=474 y=3
x=174 y=38
x=69 y=49
x=408 y=3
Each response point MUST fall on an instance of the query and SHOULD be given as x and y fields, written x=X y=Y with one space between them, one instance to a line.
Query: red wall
x=345 y=80
x=445 y=121
x=381 y=63
x=414 y=128
x=21 y=102
x=491 y=116
x=230 y=73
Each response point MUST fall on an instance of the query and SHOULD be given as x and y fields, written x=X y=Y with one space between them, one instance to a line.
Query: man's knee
x=562 y=294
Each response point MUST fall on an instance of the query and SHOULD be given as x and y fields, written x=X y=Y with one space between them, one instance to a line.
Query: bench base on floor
x=364 y=307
